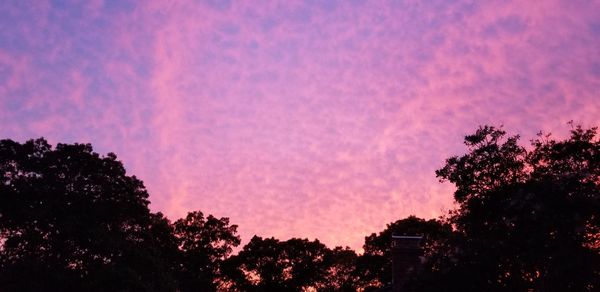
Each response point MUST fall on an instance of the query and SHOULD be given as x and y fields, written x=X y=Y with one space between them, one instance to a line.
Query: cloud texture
x=319 y=119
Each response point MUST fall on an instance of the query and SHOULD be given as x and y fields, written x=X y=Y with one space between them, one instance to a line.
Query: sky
x=311 y=119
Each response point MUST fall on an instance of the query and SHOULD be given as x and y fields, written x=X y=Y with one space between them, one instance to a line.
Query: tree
x=271 y=265
x=340 y=272
x=71 y=220
x=204 y=244
x=526 y=219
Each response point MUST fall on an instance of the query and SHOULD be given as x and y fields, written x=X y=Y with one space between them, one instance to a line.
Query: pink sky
x=318 y=119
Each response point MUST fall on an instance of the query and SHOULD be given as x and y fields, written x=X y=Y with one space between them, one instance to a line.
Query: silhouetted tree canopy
x=340 y=271
x=204 y=244
x=71 y=220
x=272 y=265
x=528 y=219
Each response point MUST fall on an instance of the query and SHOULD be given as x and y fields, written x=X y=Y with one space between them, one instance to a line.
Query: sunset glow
x=318 y=119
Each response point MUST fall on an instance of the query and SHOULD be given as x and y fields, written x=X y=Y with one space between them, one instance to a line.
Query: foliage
x=72 y=220
x=527 y=219
x=204 y=244
x=340 y=272
x=272 y=265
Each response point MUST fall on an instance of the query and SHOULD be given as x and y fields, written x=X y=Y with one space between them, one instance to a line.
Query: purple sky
x=318 y=119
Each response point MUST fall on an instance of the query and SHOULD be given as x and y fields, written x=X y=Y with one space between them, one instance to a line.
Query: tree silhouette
x=340 y=271
x=527 y=219
x=204 y=244
x=71 y=220
x=271 y=265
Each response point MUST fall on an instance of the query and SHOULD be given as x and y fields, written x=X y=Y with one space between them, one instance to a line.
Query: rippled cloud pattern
x=318 y=119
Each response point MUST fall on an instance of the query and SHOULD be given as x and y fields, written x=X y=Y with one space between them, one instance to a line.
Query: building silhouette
x=406 y=258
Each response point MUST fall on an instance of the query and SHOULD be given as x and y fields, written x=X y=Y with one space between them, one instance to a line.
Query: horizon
x=319 y=120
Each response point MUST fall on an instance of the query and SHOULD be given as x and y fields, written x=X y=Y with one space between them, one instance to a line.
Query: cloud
x=296 y=119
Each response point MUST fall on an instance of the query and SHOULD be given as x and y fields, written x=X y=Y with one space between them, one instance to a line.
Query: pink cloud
x=321 y=120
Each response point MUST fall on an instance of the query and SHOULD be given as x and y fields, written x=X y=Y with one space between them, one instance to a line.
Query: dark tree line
x=526 y=219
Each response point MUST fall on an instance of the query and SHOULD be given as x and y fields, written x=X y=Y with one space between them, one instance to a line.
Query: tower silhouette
x=406 y=257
